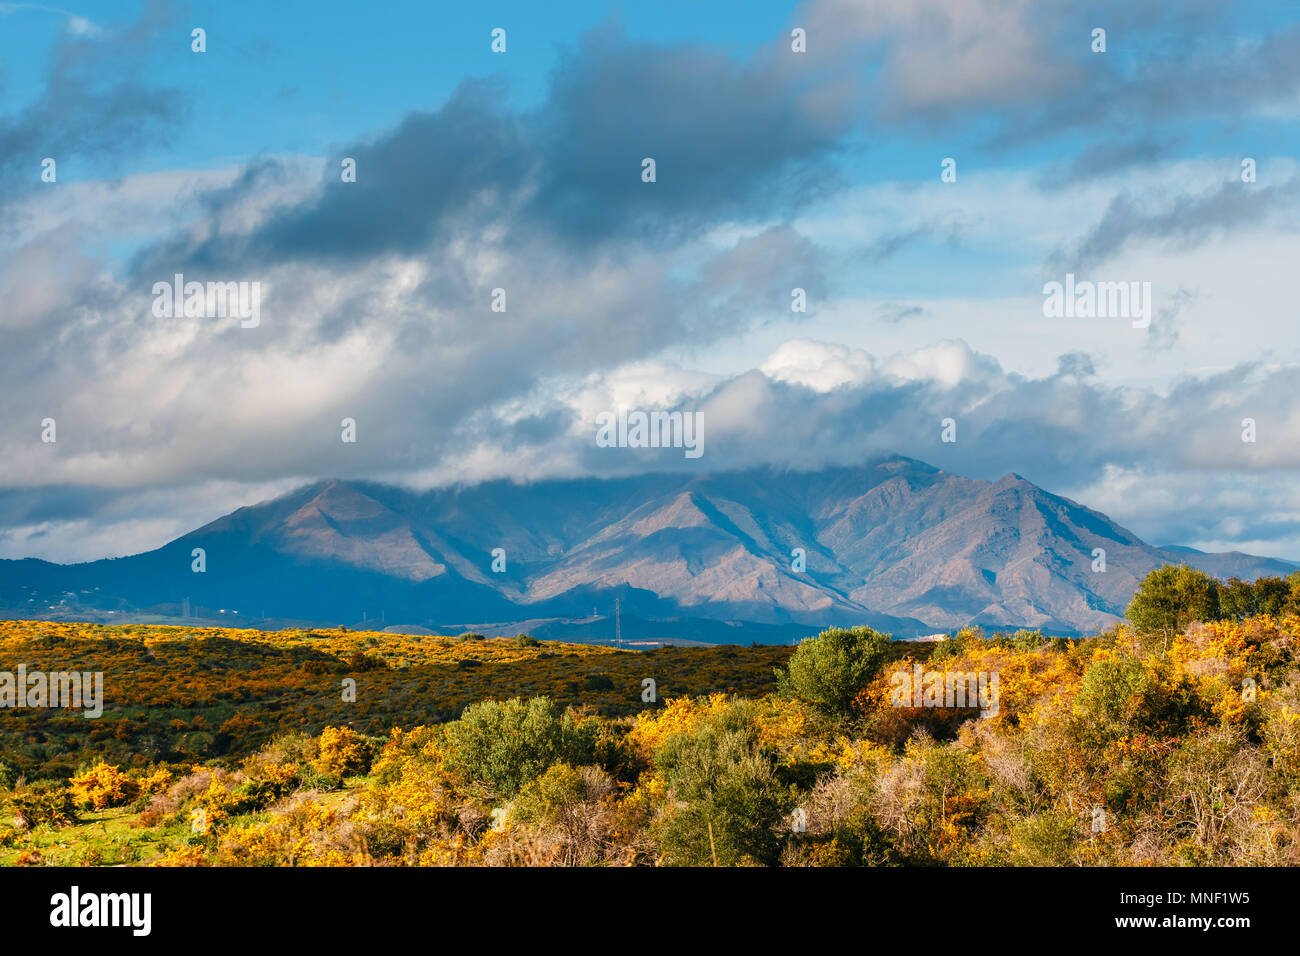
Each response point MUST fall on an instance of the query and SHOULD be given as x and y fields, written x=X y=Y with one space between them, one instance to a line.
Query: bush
x=103 y=786
x=294 y=747
x=1170 y=598
x=573 y=809
x=954 y=646
x=1126 y=694
x=1050 y=838
x=729 y=803
x=829 y=670
x=44 y=804
x=1026 y=640
x=360 y=662
x=343 y=752
x=1115 y=691
x=505 y=744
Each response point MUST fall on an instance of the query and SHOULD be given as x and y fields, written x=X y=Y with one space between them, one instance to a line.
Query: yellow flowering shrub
x=342 y=752
x=677 y=716
x=183 y=856
x=103 y=786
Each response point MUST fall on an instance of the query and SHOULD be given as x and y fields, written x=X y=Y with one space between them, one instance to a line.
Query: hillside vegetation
x=1174 y=740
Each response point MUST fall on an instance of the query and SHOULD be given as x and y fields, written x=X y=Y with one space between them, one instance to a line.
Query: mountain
x=1231 y=563
x=893 y=543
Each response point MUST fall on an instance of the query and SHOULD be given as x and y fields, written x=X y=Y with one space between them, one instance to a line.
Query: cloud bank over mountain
x=775 y=171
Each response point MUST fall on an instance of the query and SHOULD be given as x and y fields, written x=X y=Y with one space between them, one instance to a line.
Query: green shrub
x=729 y=804
x=1050 y=838
x=829 y=670
x=1123 y=695
x=1116 y=690
x=505 y=744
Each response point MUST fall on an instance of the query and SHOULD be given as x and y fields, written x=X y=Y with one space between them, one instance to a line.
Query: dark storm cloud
x=730 y=140
x=33 y=506
x=97 y=102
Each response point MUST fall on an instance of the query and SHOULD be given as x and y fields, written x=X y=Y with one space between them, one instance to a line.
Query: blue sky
x=521 y=170
x=320 y=73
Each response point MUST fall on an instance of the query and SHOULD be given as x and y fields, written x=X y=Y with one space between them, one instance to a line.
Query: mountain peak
x=1013 y=480
x=895 y=543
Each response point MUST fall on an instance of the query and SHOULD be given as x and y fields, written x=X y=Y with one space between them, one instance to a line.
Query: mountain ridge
x=895 y=543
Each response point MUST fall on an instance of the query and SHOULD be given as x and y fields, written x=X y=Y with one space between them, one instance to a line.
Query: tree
x=1240 y=599
x=829 y=670
x=1171 y=597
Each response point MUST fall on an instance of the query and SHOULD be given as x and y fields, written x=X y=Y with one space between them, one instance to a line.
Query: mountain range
x=894 y=543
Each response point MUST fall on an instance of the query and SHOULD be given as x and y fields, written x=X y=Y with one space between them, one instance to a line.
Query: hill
x=895 y=544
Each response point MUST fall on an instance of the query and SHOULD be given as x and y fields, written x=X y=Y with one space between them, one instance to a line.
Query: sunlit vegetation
x=179 y=695
x=1165 y=742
